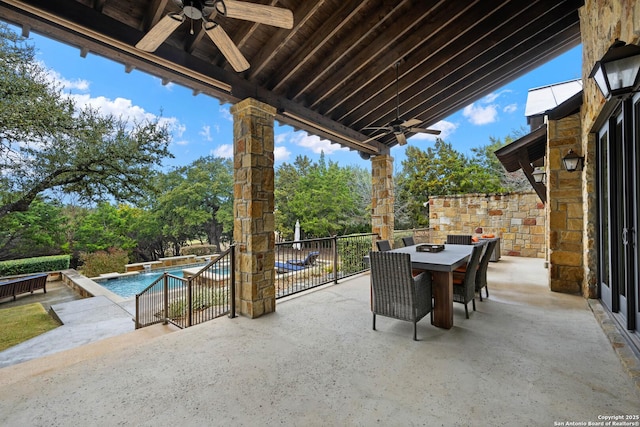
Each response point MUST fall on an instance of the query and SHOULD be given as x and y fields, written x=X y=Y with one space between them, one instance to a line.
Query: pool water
x=130 y=286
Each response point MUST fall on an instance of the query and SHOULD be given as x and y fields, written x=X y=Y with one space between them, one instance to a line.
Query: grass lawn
x=22 y=323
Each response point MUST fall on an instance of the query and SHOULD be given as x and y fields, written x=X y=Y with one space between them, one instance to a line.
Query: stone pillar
x=253 y=207
x=564 y=207
x=382 y=200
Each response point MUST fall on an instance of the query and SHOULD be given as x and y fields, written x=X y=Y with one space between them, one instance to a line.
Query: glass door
x=618 y=147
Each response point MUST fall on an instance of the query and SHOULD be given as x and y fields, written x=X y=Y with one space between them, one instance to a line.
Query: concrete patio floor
x=526 y=357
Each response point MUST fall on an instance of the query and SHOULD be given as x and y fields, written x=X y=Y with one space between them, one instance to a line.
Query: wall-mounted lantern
x=539 y=175
x=572 y=162
x=618 y=72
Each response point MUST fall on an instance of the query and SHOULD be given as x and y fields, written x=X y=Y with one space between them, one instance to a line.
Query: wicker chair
x=408 y=241
x=383 y=245
x=395 y=292
x=481 y=274
x=464 y=289
x=459 y=239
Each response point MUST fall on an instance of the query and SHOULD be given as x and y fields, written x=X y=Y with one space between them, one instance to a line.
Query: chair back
x=481 y=274
x=469 y=281
x=408 y=241
x=311 y=258
x=383 y=245
x=392 y=285
x=459 y=239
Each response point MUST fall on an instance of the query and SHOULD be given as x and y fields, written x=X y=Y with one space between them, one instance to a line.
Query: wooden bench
x=23 y=285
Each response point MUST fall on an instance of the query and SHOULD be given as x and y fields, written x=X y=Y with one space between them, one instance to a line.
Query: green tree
x=38 y=231
x=47 y=144
x=509 y=181
x=327 y=199
x=197 y=202
x=102 y=228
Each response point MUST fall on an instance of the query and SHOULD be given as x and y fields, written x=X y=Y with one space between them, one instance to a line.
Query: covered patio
x=527 y=356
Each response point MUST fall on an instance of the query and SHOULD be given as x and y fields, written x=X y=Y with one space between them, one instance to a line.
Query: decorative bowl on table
x=429 y=247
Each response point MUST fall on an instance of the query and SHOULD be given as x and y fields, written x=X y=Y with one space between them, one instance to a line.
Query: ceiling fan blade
x=230 y=51
x=401 y=138
x=411 y=123
x=262 y=14
x=374 y=137
x=160 y=32
x=422 y=130
x=387 y=128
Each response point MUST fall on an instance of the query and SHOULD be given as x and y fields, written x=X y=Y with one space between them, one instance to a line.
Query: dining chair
x=464 y=288
x=481 y=274
x=459 y=239
x=383 y=245
x=408 y=241
x=395 y=292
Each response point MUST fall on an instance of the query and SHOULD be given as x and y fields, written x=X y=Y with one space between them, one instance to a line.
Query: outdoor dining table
x=441 y=265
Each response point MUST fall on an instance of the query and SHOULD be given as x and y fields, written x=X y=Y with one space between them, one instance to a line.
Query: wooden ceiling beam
x=452 y=74
x=301 y=17
x=441 y=105
x=425 y=61
x=340 y=18
x=153 y=14
x=354 y=40
x=369 y=61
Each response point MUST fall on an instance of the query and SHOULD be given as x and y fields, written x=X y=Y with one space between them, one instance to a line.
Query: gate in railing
x=188 y=301
x=305 y=264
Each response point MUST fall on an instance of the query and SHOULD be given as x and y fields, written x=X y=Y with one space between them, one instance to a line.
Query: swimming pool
x=129 y=286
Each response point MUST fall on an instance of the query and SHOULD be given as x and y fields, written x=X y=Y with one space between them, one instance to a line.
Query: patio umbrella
x=296 y=237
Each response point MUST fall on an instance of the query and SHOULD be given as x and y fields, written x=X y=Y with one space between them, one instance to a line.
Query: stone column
x=382 y=199
x=564 y=207
x=253 y=207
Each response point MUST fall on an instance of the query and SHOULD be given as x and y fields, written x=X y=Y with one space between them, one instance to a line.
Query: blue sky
x=201 y=126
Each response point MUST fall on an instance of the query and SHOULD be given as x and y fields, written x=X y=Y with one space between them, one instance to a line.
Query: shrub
x=198 y=250
x=34 y=265
x=97 y=263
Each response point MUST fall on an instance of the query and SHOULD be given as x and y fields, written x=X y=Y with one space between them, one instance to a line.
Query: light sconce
x=572 y=162
x=539 y=175
x=618 y=72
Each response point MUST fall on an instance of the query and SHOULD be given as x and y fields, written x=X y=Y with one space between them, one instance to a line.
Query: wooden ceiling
x=333 y=73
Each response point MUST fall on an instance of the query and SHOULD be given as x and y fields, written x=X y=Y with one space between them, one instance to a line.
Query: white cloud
x=511 y=108
x=315 y=144
x=205 y=133
x=479 y=115
x=281 y=154
x=446 y=129
x=224 y=112
x=181 y=142
x=490 y=98
x=66 y=85
x=224 y=151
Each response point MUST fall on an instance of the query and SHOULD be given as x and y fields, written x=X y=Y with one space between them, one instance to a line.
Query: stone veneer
x=382 y=200
x=565 y=223
x=601 y=23
x=253 y=207
x=518 y=219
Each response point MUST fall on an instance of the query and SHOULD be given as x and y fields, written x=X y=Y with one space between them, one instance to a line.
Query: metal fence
x=210 y=293
x=305 y=264
x=188 y=301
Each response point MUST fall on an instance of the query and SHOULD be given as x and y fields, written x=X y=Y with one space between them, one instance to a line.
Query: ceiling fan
x=397 y=126
x=207 y=10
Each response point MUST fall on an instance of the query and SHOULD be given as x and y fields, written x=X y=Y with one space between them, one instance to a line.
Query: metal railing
x=337 y=257
x=185 y=302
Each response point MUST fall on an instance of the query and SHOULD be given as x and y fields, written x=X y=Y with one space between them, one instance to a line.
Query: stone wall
x=382 y=200
x=517 y=218
x=601 y=23
x=565 y=220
